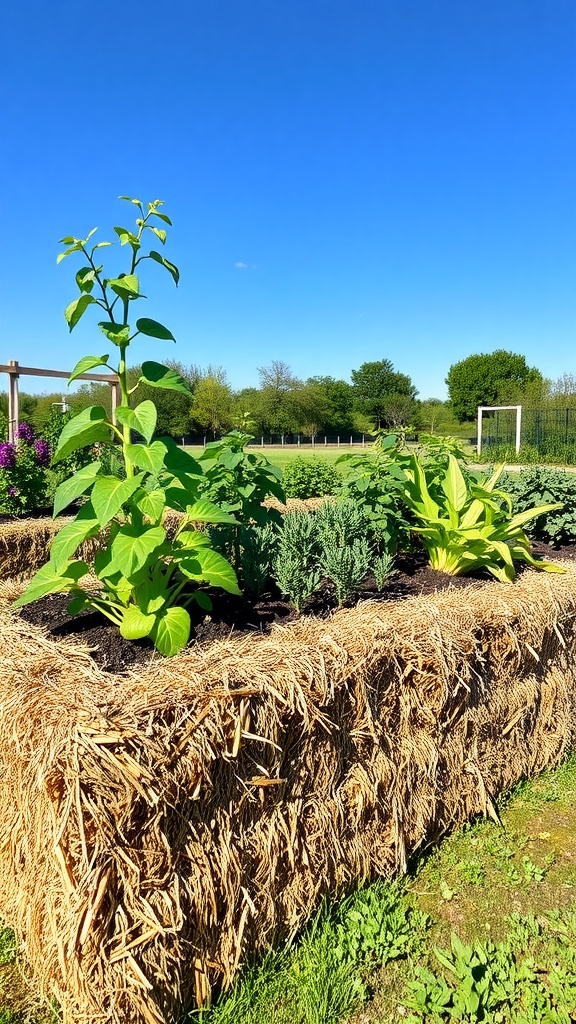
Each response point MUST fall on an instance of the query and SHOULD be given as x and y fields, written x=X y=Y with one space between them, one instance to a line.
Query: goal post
x=498 y=408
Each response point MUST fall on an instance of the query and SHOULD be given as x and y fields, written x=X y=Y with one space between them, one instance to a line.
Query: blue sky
x=349 y=180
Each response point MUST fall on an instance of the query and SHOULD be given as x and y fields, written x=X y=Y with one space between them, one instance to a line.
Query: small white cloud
x=241 y=266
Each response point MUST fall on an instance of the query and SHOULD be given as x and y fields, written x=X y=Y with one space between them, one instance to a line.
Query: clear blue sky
x=349 y=180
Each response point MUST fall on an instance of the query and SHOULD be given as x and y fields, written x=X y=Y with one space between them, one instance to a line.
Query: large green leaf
x=454 y=485
x=142 y=418
x=77 y=308
x=49 y=581
x=531 y=513
x=135 y=624
x=127 y=287
x=76 y=485
x=117 y=333
x=127 y=236
x=86 y=364
x=131 y=548
x=147 y=456
x=214 y=569
x=85 y=279
x=88 y=427
x=153 y=329
x=109 y=494
x=180 y=462
x=205 y=511
x=68 y=539
x=170 y=267
x=154 y=213
x=152 y=503
x=159 y=376
x=172 y=631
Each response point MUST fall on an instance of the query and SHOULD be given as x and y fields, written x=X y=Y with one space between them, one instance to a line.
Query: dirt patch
x=230 y=615
x=245 y=615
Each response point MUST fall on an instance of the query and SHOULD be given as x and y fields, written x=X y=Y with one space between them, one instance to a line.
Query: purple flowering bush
x=23 y=481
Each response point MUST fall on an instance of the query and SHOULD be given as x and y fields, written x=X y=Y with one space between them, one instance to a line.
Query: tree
x=488 y=379
x=311 y=407
x=375 y=383
x=338 y=397
x=436 y=417
x=277 y=385
x=212 y=406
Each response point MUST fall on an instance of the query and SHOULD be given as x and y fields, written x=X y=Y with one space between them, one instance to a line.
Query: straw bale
x=158 y=827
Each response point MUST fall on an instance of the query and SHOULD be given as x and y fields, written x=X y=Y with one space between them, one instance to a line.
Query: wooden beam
x=32 y=371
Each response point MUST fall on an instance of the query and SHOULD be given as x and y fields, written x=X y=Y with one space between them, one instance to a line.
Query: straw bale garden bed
x=164 y=818
x=159 y=825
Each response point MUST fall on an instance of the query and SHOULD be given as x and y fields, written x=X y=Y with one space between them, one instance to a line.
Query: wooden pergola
x=14 y=371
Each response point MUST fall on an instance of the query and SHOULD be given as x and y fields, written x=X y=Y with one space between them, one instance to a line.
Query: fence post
x=325 y=439
x=115 y=386
x=13 y=403
x=350 y=440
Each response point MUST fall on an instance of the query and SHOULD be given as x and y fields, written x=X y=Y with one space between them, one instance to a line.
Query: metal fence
x=317 y=442
x=545 y=432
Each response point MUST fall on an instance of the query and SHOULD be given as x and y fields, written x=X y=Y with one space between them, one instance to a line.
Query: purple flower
x=42 y=452
x=7 y=455
x=25 y=433
x=13 y=492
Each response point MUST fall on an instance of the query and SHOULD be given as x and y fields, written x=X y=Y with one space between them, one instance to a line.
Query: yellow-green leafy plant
x=468 y=525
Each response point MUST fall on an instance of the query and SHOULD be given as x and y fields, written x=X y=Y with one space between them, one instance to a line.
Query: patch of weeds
x=8 y=946
x=473 y=873
x=528 y=978
x=325 y=977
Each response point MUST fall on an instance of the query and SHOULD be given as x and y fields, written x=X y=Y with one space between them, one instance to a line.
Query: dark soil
x=240 y=615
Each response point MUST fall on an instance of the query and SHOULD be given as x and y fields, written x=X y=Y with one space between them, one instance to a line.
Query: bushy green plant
x=345 y=550
x=345 y=566
x=146 y=579
x=539 y=486
x=240 y=481
x=310 y=477
x=373 y=483
x=295 y=566
x=23 y=481
x=340 y=522
x=258 y=546
x=384 y=568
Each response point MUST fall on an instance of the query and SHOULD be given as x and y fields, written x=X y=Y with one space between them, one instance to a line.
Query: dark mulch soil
x=242 y=615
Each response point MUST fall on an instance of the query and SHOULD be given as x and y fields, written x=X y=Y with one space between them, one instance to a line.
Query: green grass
x=282 y=456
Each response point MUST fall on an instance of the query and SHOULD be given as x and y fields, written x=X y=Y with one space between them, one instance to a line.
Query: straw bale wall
x=158 y=827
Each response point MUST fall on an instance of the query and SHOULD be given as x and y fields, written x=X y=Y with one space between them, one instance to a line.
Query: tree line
x=377 y=397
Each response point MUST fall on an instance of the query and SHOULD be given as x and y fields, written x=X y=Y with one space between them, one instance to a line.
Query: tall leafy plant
x=466 y=525
x=146 y=579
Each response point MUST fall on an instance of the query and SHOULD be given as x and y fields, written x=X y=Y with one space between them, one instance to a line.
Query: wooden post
x=13 y=403
x=115 y=388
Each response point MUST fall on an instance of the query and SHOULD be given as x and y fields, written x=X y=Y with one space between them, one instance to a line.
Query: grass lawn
x=482 y=928
x=281 y=456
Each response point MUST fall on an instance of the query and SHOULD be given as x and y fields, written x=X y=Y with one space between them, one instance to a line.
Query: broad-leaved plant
x=468 y=525
x=146 y=578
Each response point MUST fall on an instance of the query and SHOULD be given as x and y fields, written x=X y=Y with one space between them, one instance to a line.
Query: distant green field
x=282 y=456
